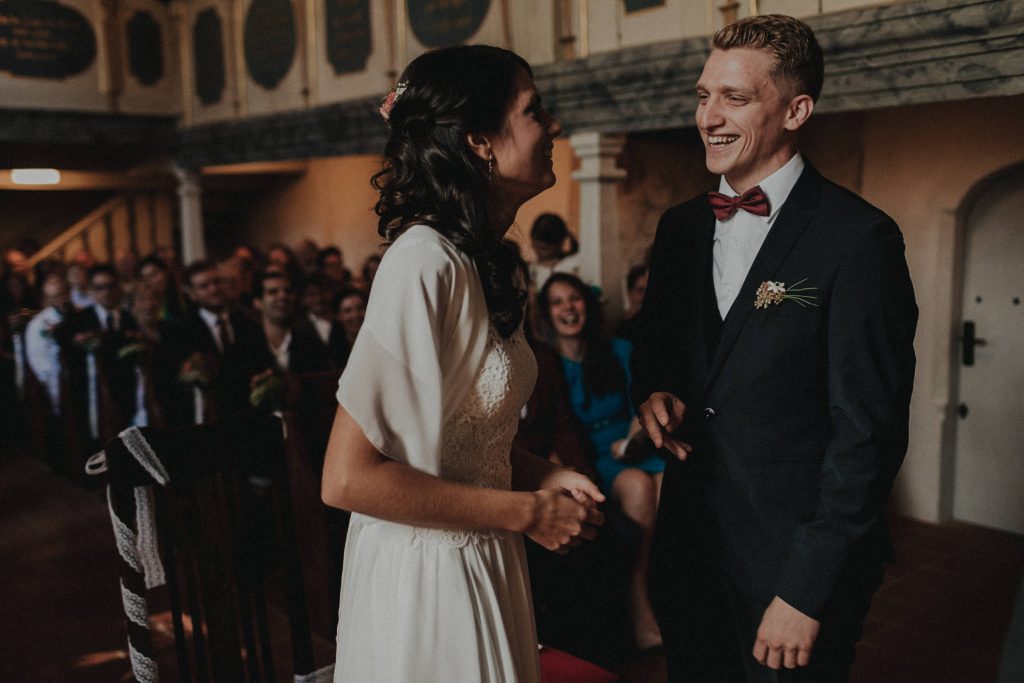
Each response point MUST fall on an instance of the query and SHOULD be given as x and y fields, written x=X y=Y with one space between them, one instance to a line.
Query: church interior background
x=208 y=122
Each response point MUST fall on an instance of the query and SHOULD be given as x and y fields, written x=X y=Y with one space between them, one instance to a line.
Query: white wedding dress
x=424 y=605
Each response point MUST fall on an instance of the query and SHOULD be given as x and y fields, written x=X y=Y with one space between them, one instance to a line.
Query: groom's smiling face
x=745 y=116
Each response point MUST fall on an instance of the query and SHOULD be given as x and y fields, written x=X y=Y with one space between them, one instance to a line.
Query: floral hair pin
x=776 y=292
x=388 y=103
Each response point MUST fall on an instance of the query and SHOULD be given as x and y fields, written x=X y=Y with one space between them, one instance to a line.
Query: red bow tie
x=753 y=201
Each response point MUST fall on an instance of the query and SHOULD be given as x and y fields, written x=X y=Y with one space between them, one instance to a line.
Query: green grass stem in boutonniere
x=132 y=353
x=776 y=292
x=267 y=392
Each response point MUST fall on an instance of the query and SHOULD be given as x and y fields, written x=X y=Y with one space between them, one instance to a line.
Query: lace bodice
x=477 y=439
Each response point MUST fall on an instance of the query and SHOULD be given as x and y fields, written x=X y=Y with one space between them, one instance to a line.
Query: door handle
x=970 y=340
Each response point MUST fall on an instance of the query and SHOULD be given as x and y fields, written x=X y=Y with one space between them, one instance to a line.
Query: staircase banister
x=75 y=230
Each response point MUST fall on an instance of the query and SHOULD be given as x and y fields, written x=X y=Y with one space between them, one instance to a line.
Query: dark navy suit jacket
x=798 y=415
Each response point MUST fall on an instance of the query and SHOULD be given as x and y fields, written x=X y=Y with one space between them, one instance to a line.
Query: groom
x=775 y=360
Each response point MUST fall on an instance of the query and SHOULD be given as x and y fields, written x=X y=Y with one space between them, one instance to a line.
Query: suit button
x=709 y=413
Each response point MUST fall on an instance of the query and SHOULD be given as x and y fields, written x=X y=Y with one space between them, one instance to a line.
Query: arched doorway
x=989 y=469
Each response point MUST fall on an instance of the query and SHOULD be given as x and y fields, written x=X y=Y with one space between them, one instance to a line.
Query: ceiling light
x=35 y=176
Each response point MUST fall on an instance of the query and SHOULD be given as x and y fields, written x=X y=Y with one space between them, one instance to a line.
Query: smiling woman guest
x=597 y=373
x=435 y=586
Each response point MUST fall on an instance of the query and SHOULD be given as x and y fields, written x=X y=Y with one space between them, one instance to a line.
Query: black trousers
x=709 y=630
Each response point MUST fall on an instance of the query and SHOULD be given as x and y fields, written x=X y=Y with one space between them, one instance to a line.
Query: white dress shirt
x=43 y=352
x=213 y=321
x=322 y=327
x=104 y=313
x=282 y=354
x=739 y=237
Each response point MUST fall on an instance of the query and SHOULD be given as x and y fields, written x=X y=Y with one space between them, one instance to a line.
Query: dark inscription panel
x=440 y=23
x=145 y=48
x=637 y=5
x=208 y=57
x=349 y=38
x=44 y=39
x=269 y=41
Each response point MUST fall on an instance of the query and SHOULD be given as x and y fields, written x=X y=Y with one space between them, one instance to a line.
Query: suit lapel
x=793 y=218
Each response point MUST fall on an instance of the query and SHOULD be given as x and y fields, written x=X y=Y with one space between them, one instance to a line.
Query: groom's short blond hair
x=796 y=55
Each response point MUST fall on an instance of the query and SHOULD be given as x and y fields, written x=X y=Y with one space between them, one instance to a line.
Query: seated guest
x=153 y=274
x=597 y=373
x=318 y=317
x=41 y=347
x=331 y=264
x=205 y=364
x=78 y=279
x=369 y=271
x=555 y=248
x=636 y=287
x=350 y=307
x=298 y=350
x=91 y=340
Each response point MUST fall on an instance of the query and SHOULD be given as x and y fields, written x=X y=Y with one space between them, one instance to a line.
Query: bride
x=435 y=585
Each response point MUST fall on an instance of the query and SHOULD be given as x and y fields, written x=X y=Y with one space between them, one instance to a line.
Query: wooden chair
x=226 y=532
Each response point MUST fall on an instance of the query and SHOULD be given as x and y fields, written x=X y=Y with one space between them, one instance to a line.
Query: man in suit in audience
x=319 y=319
x=294 y=348
x=228 y=345
x=100 y=330
x=775 y=361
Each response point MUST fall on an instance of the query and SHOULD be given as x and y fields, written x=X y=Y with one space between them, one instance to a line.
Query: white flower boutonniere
x=776 y=292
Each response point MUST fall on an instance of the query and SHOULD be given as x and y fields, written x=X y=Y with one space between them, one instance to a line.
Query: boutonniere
x=776 y=292
x=132 y=353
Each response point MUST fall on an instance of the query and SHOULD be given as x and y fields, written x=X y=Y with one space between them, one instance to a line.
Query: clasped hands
x=565 y=511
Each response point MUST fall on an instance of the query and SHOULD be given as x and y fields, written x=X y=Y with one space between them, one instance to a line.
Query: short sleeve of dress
x=420 y=338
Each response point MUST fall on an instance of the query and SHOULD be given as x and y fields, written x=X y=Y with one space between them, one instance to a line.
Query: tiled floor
x=941 y=615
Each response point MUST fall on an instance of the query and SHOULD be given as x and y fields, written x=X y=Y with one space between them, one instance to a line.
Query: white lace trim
x=453 y=538
x=143 y=453
x=134 y=607
x=324 y=675
x=143 y=667
x=124 y=537
x=146 y=543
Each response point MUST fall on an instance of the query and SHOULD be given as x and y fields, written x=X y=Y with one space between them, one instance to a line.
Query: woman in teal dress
x=597 y=372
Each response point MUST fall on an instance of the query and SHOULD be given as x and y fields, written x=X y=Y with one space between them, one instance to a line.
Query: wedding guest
x=331 y=264
x=298 y=350
x=319 y=317
x=636 y=287
x=350 y=305
x=154 y=275
x=78 y=279
x=369 y=270
x=221 y=350
x=596 y=370
x=556 y=249
x=41 y=348
x=90 y=341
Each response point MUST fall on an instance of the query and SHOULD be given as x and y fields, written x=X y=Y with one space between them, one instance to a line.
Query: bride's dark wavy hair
x=431 y=176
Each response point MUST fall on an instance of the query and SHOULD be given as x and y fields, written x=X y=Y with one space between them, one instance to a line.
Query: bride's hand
x=558 y=520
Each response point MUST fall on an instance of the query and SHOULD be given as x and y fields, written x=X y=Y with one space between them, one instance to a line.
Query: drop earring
x=490 y=168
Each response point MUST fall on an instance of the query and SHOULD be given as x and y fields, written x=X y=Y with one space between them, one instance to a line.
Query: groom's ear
x=798 y=111
x=479 y=145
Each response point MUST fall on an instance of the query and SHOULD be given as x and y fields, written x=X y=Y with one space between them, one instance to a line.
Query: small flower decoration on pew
x=776 y=292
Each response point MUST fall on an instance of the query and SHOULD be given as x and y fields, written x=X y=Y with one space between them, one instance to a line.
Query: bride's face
x=567 y=310
x=523 y=146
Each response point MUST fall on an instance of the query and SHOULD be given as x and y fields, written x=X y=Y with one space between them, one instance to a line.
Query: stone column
x=190 y=211
x=601 y=257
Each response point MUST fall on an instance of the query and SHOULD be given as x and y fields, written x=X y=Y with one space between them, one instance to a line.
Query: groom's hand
x=660 y=415
x=785 y=637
